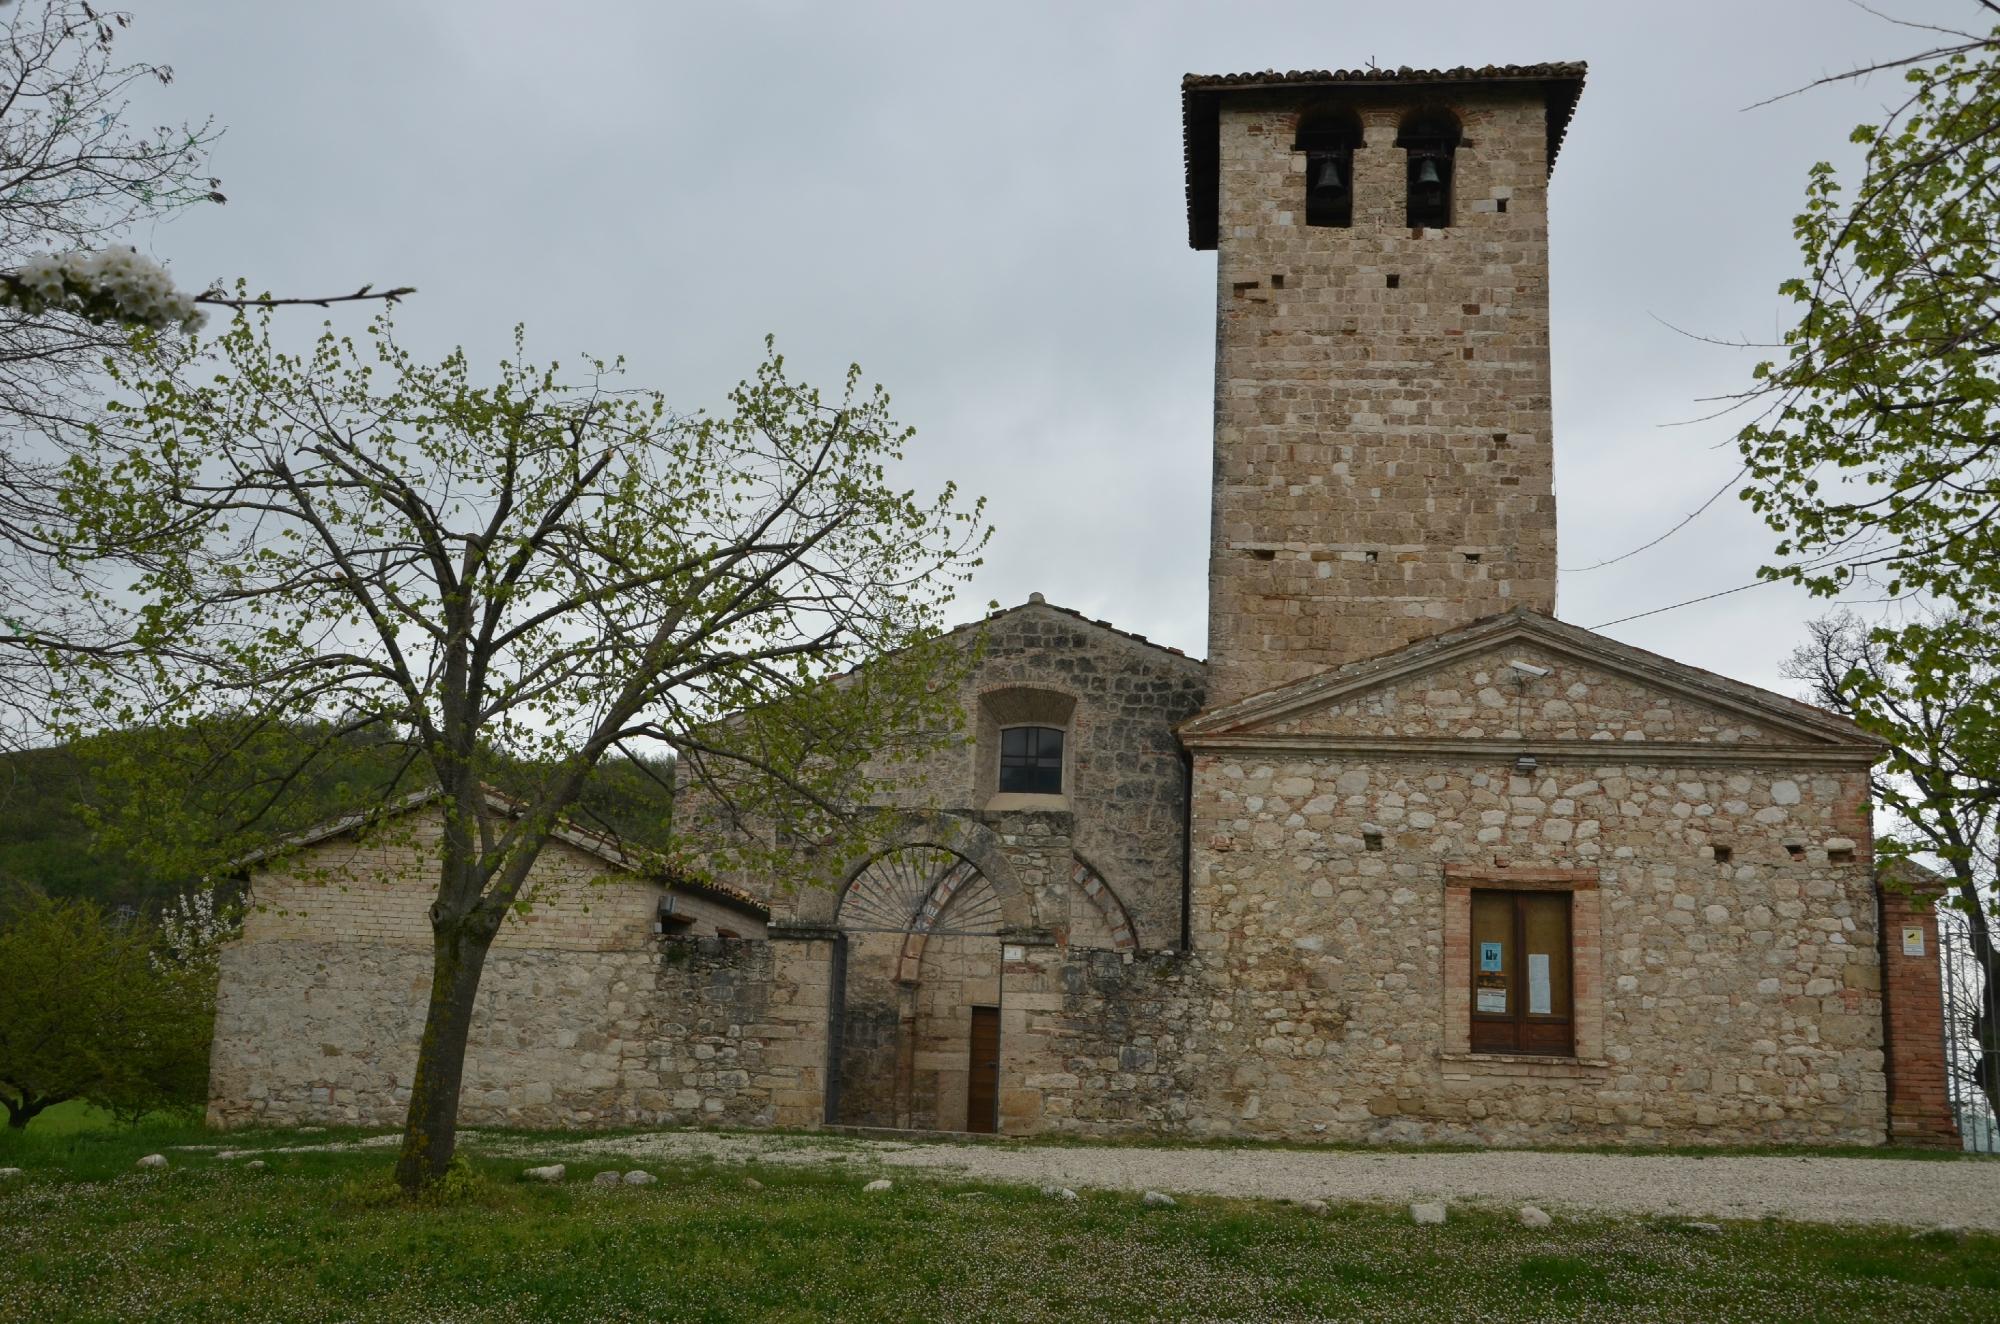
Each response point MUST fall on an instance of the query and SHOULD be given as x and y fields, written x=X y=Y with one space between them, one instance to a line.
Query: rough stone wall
x=682 y=1031
x=1382 y=394
x=1741 y=1000
x=1119 y=698
x=583 y=1016
x=1109 y=1043
x=871 y=1032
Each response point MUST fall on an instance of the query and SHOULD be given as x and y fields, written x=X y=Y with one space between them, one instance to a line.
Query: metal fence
x=1965 y=991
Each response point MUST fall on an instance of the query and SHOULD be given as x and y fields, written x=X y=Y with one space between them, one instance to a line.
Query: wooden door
x=982 y=1094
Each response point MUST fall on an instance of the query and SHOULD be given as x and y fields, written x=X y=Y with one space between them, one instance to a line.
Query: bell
x=1328 y=175
x=1427 y=172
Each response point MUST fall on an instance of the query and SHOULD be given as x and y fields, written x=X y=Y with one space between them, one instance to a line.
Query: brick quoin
x=1913 y=1019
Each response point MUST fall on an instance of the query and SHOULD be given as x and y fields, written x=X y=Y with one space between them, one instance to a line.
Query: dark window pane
x=1031 y=760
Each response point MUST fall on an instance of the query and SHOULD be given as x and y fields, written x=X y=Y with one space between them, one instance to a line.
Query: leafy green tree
x=94 y=1012
x=1876 y=457
x=524 y=574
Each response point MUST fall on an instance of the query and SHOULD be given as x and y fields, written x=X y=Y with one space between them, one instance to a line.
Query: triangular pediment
x=1524 y=679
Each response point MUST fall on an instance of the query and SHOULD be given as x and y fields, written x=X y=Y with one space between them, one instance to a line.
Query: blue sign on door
x=1489 y=956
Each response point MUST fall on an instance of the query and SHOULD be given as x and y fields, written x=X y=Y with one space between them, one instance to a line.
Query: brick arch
x=1118 y=920
x=981 y=870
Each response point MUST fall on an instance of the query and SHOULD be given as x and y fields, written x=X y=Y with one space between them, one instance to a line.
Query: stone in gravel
x=639 y=1177
x=1157 y=1200
x=5 y=1173
x=606 y=1179
x=153 y=1161
x=752 y=1184
x=1533 y=1217
x=553 y=1172
x=255 y=1165
x=1313 y=1206
x=1706 y=1229
x=1428 y=1213
x=878 y=1185
x=1059 y=1192
x=235 y=1153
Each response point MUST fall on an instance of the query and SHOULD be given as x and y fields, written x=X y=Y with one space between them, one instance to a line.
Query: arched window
x=1431 y=139
x=1328 y=138
x=1031 y=760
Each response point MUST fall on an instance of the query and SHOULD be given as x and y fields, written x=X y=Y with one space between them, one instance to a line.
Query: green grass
x=85 y=1236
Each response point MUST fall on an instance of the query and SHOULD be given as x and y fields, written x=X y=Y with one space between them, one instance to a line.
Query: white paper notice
x=1493 y=999
x=1538 y=983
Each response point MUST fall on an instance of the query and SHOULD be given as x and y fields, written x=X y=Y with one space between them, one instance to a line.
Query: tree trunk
x=21 y=1113
x=430 y=1132
x=1985 y=1020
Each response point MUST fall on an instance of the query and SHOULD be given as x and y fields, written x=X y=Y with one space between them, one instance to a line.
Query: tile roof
x=1561 y=83
x=632 y=859
x=1705 y=686
x=1037 y=600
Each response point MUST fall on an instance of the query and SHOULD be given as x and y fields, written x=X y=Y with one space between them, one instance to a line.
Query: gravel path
x=1912 y=1193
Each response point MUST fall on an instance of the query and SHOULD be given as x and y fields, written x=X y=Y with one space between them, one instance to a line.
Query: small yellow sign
x=1913 y=940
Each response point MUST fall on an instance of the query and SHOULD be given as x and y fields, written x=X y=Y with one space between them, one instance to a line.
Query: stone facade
x=1117 y=698
x=1723 y=906
x=675 y=1031
x=321 y=1000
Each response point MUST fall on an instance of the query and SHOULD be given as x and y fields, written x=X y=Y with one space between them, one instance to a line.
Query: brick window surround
x=1586 y=920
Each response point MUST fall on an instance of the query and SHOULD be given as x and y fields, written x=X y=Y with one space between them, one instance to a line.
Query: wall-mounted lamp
x=1525 y=764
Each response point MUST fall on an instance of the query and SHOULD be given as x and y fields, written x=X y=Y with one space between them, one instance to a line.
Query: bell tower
x=1383 y=448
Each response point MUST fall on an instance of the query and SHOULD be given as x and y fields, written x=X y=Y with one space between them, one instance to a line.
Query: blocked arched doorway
x=914 y=1007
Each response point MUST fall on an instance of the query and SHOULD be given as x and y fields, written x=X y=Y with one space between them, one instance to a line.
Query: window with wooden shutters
x=1522 y=996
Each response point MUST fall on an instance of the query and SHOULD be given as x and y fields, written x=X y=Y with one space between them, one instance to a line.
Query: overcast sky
x=982 y=205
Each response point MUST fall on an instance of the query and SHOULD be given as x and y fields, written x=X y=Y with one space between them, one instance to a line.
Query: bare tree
x=77 y=177
x=1936 y=783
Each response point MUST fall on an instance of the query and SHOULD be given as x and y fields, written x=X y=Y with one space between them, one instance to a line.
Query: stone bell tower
x=1383 y=454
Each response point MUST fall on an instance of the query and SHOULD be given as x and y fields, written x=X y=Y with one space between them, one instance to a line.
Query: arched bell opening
x=1329 y=135
x=1430 y=136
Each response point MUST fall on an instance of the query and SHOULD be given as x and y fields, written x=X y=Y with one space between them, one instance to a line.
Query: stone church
x=1405 y=858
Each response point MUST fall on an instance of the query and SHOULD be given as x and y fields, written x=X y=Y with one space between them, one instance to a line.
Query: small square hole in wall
x=1395 y=282
x=1277 y=281
x=1472 y=558
x=1841 y=855
x=1500 y=204
x=1263 y=554
x=1371 y=557
x=1795 y=850
x=1372 y=840
x=1723 y=854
